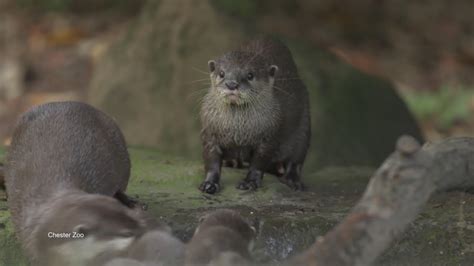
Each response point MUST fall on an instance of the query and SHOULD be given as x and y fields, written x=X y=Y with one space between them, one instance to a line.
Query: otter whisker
x=207 y=86
x=201 y=89
x=198 y=80
x=281 y=90
x=200 y=97
x=201 y=92
x=199 y=70
x=289 y=79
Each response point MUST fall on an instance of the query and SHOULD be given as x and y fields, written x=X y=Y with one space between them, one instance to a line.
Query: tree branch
x=395 y=195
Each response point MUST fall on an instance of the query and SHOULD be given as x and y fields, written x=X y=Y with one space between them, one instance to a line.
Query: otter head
x=231 y=220
x=79 y=228
x=239 y=77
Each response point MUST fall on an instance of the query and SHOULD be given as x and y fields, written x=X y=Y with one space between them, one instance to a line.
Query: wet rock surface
x=289 y=221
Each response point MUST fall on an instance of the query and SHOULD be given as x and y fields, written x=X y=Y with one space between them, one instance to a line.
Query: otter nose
x=232 y=85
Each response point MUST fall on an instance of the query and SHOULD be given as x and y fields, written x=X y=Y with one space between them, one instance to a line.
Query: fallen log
x=395 y=195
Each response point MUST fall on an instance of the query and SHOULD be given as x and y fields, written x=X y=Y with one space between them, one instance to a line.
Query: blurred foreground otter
x=222 y=237
x=156 y=247
x=256 y=112
x=65 y=162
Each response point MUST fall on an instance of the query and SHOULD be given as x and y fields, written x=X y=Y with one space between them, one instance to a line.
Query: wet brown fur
x=268 y=126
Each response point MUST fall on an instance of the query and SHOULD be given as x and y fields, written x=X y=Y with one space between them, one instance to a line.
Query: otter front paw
x=209 y=187
x=252 y=181
x=292 y=177
x=247 y=185
x=296 y=185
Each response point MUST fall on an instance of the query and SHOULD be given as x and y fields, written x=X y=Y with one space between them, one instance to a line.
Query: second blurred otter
x=221 y=234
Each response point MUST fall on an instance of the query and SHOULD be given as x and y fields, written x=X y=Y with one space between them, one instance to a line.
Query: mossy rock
x=443 y=234
x=152 y=81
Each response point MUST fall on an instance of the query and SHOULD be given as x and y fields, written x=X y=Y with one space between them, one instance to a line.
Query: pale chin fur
x=244 y=97
x=243 y=126
x=79 y=252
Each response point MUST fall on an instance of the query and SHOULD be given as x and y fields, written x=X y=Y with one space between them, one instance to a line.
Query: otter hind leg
x=277 y=169
x=260 y=160
x=292 y=176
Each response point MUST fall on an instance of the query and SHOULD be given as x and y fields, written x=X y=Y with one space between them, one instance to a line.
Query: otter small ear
x=272 y=71
x=212 y=65
x=81 y=229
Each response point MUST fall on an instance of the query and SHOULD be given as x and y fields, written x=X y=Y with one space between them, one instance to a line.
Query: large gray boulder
x=152 y=81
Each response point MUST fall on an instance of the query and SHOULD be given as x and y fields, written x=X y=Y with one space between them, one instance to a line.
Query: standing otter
x=256 y=111
x=221 y=232
x=60 y=152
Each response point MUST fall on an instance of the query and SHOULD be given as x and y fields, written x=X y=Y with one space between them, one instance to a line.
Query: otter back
x=62 y=146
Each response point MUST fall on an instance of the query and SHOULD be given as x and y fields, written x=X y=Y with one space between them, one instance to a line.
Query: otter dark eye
x=250 y=76
x=81 y=229
x=221 y=74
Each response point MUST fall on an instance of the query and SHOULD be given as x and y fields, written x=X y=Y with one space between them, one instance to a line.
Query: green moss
x=289 y=221
x=10 y=251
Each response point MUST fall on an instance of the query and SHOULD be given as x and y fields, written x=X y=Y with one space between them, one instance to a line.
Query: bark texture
x=394 y=197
